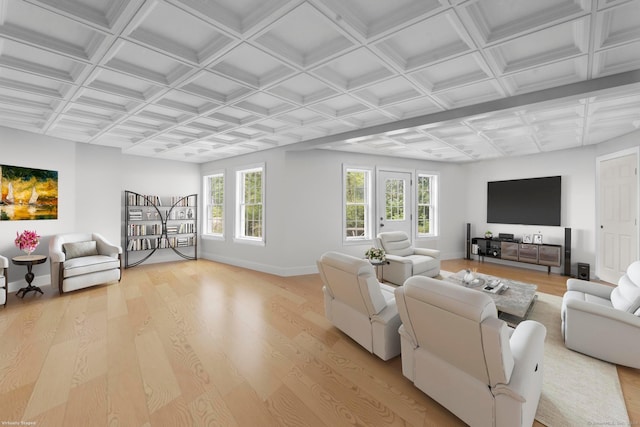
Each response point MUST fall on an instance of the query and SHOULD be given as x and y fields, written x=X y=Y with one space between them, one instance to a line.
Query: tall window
x=394 y=199
x=250 y=196
x=357 y=204
x=214 y=204
x=427 y=188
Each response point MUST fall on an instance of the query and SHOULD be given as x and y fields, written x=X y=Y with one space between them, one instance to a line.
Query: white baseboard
x=265 y=268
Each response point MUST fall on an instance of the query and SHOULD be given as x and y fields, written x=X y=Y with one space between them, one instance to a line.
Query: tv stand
x=514 y=250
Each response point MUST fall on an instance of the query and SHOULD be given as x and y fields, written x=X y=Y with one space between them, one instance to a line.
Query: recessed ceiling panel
x=373 y=17
x=252 y=66
x=425 y=42
x=459 y=71
x=38 y=27
x=556 y=43
x=176 y=32
x=495 y=20
x=303 y=89
x=304 y=36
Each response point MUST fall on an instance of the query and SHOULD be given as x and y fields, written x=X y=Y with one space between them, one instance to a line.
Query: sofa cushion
x=423 y=263
x=626 y=296
x=89 y=264
x=80 y=249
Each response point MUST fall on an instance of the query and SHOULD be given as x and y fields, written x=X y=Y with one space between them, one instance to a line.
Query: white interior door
x=394 y=207
x=618 y=213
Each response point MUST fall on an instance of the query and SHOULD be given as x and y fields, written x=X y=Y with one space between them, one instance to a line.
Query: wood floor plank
x=248 y=408
x=209 y=409
x=371 y=410
x=332 y=410
x=53 y=385
x=160 y=383
x=287 y=408
x=204 y=343
x=87 y=402
x=126 y=399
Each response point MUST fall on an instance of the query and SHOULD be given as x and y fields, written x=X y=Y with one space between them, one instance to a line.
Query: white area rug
x=577 y=390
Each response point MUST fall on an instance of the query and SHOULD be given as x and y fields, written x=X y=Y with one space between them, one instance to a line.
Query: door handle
x=381 y=225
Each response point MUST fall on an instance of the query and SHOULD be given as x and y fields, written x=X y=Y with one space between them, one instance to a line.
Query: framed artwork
x=28 y=194
x=537 y=239
x=526 y=238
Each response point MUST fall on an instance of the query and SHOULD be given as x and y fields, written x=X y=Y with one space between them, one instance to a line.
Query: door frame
x=411 y=196
x=599 y=160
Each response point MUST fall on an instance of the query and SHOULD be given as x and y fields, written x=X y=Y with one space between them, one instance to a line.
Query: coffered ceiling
x=196 y=81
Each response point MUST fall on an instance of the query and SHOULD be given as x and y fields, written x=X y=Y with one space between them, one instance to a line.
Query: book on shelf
x=135 y=214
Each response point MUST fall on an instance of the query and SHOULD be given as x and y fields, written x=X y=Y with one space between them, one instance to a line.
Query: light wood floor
x=202 y=343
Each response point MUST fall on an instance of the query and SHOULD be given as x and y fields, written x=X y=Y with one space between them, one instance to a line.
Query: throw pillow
x=80 y=249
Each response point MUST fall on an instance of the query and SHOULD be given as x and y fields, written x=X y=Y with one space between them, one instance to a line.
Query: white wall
x=91 y=182
x=577 y=169
x=36 y=151
x=304 y=208
x=304 y=187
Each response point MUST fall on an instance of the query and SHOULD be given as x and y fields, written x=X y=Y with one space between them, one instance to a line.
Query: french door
x=394 y=207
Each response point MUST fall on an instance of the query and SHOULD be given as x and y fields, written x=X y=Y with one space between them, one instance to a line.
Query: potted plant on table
x=375 y=255
x=27 y=241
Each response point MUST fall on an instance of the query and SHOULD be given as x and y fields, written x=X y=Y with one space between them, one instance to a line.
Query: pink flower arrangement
x=27 y=241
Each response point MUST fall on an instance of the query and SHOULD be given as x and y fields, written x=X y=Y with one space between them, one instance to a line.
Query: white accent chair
x=603 y=321
x=456 y=350
x=80 y=260
x=404 y=261
x=356 y=303
x=4 y=279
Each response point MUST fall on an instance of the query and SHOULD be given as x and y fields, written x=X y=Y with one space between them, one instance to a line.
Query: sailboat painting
x=28 y=194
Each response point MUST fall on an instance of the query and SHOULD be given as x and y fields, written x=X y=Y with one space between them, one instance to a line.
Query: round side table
x=29 y=261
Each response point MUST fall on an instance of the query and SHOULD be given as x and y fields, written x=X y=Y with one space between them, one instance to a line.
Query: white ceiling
x=197 y=81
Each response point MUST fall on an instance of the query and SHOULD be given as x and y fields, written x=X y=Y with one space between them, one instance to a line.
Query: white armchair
x=4 y=280
x=404 y=261
x=80 y=260
x=456 y=350
x=356 y=303
x=603 y=321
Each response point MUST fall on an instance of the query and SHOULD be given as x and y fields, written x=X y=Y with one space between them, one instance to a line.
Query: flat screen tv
x=532 y=201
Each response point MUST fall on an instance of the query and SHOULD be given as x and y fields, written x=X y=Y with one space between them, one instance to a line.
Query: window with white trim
x=214 y=205
x=357 y=204
x=426 y=204
x=250 y=204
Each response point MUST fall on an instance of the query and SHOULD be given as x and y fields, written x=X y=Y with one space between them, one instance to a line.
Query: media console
x=531 y=253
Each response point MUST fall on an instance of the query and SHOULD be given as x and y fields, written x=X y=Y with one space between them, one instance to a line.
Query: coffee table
x=514 y=304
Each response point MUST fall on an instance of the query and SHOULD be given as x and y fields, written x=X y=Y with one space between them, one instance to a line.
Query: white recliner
x=4 y=280
x=80 y=260
x=356 y=303
x=404 y=261
x=604 y=321
x=456 y=350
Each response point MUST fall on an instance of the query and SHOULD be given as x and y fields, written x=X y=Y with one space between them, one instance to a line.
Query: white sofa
x=80 y=260
x=456 y=350
x=404 y=261
x=356 y=303
x=4 y=280
x=603 y=321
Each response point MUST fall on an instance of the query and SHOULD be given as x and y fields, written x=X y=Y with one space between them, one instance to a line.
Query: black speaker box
x=567 y=251
x=467 y=245
x=584 y=271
